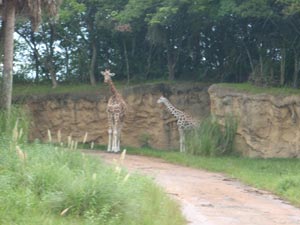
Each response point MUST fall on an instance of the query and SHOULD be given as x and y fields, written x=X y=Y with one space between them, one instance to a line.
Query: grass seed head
x=49 y=136
x=59 y=136
x=123 y=155
x=22 y=155
x=69 y=141
x=126 y=177
x=64 y=211
x=85 y=137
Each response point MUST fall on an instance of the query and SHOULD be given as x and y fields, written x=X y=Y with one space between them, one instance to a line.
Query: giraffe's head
x=107 y=75
x=161 y=99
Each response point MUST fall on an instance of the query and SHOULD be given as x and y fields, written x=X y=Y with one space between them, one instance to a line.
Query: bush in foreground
x=44 y=184
x=56 y=186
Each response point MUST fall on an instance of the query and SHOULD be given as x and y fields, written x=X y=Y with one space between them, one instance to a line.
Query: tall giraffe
x=116 y=110
x=184 y=121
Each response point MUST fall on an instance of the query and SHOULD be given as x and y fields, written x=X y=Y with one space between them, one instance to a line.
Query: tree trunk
x=250 y=59
x=53 y=76
x=93 y=64
x=261 y=66
x=149 y=60
x=37 y=65
x=296 y=69
x=51 y=63
x=1 y=40
x=282 y=66
x=31 y=42
x=171 y=66
x=126 y=61
x=7 y=82
x=68 y=75
x=36 y=57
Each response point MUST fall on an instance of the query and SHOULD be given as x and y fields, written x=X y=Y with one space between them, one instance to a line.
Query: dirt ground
x=210 y=198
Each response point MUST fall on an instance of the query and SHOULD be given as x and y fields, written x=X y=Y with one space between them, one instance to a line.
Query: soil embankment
x=146 y=124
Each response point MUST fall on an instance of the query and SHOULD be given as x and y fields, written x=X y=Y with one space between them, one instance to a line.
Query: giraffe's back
x=186 y=122
x=116 y=105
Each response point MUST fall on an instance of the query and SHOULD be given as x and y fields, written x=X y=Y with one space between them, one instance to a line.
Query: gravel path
x=210 y=198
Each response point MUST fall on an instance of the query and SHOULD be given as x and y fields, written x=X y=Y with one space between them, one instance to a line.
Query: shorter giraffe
x=116 y=110
x=184 y=121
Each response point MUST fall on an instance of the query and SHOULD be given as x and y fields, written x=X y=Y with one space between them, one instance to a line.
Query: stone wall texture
x=268 y=125
x=146 y=123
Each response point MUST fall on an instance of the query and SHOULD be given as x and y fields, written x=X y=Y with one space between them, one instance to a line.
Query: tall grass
x=46 y=184
x=211 y=139
x=16 y=121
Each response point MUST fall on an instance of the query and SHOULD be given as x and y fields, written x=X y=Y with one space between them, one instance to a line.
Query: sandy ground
x=210 y=198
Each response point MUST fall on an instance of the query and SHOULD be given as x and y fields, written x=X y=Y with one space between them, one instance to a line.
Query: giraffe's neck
x=175 y=112
x=113 y=88
x=116 y=95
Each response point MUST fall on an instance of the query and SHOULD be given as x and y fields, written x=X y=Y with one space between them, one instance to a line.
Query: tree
x=9 y=10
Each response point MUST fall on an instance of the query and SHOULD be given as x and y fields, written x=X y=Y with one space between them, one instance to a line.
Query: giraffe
x=184 y=121
x=116 y=110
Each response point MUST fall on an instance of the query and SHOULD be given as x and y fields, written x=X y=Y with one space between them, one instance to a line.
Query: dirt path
x=210 y=198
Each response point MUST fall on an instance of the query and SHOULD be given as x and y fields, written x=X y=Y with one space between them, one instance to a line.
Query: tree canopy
x=215 y=41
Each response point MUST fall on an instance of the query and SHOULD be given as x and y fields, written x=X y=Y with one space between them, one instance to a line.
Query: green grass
x=279 y=176
x=42 y=89
x=211 y=139
x=249 y=88
x=52 y=180
x=49 y=185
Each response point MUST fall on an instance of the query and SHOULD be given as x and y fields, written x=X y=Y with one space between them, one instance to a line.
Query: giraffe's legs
x=119 y=136
x=181 y=140
x=115 y=142
x=110 y=125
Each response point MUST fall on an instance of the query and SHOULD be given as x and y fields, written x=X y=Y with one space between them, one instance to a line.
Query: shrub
x=44 y=184
x=211 y=139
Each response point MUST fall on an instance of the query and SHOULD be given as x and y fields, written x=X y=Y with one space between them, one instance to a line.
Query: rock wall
x=146 y=123
x=268 y=125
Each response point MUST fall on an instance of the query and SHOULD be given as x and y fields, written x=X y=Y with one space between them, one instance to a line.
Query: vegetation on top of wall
x=43 y=89
x=75 y=88
x=250 y=88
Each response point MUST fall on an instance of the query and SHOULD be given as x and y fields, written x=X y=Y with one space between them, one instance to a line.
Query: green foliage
x=44 y=184
x=145 y=139
x=215 y=41
x=289 y=183
x=54 y=181
x=135 y=9
x=254 y=8
x=69 y=8
x=14 y=126
x=227 y=7
x=211 y=139
x=291 y=7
